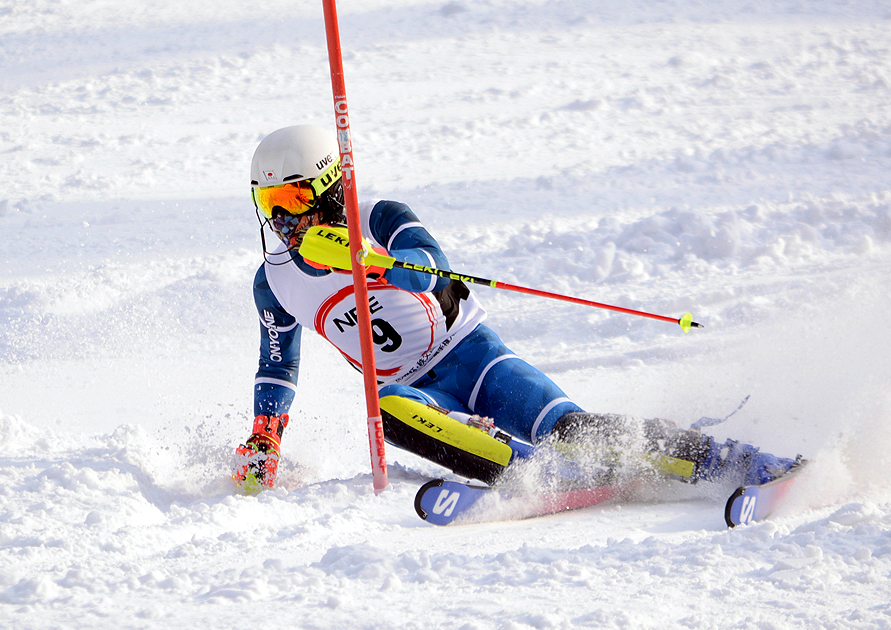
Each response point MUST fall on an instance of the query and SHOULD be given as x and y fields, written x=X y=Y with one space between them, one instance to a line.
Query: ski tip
x=435 y=483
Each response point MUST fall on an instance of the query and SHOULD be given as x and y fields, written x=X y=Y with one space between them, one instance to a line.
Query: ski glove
x=256 y=461
x=328 y=247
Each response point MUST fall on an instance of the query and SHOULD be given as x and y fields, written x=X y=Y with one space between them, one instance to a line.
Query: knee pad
x=428 y=432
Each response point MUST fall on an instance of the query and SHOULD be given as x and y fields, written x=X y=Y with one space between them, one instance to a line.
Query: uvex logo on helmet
x=321 y=164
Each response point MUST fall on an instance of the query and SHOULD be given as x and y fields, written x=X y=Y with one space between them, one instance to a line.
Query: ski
x=444 y=502
x=755 y=503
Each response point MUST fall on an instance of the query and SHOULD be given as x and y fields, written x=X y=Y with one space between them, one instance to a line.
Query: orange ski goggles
x=295 y=197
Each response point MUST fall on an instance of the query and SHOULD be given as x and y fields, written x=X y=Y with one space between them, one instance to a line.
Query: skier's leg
x=485 y=377
x=425 y=396
x=492 y=381
x=688 y=455
x=418 y=421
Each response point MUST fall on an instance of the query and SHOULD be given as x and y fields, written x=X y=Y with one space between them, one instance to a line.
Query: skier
x=450 y=390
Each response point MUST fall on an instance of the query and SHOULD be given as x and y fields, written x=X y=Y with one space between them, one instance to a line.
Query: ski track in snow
x=728 y=159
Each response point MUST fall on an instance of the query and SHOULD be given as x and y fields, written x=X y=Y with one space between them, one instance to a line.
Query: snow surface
x=726 y=158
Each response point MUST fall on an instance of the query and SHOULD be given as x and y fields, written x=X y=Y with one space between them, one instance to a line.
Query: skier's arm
x=274 y=388
x=396 y=227
x=276 y=381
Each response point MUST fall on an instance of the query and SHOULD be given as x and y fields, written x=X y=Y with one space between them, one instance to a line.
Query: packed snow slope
x=727 y=158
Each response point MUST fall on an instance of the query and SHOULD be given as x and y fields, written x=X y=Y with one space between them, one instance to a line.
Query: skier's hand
x=256 y=461
x=376 y=271
x=328 y=247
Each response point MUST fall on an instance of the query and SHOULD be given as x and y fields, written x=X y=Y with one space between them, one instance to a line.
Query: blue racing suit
x=456 y=362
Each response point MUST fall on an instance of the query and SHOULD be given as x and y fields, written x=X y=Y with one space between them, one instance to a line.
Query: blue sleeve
x=394 y=225
x=276 y=381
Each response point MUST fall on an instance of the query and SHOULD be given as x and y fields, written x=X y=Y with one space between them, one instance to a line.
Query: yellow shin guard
x=428 y=432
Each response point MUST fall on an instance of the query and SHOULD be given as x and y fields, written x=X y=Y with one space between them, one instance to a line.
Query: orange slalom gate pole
x=351 y=200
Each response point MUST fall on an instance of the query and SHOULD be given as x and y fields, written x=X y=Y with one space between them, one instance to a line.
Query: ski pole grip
x=330 y=246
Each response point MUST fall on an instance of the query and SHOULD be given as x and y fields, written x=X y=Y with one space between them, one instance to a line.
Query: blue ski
x=754 y=503
x=444 y=502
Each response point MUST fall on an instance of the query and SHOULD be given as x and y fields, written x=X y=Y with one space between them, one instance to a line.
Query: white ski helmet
x=296 y=181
